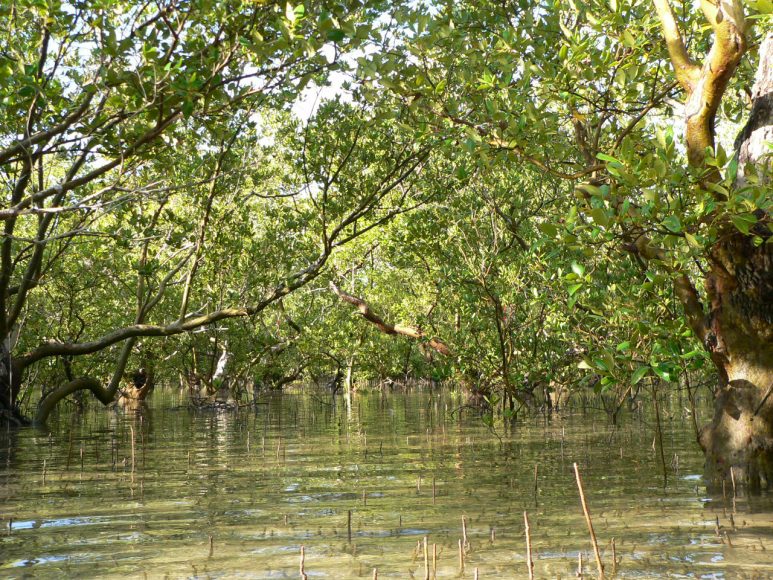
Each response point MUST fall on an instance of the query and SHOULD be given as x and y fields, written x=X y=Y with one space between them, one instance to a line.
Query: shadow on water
x=165 y=490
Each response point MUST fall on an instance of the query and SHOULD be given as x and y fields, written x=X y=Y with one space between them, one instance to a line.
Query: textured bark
x=740 y=436
x=740 y=333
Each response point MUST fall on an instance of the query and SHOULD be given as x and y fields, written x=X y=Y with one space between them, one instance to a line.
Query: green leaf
x=607 y=158
x=548 y=229
x=664 y=372
x=578 y=269
x=590 y=189
x=732 y=169
x=336 y=35
x=692 y=241
x=639 y=374
x=693 y=353
x=573 y=289
x=744 y=221
x=673 y=224
x=599 y=216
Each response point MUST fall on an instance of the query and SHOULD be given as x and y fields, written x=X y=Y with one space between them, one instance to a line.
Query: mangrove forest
x=409 y=289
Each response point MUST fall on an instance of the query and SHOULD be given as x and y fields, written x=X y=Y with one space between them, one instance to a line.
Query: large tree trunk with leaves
x=740 y=325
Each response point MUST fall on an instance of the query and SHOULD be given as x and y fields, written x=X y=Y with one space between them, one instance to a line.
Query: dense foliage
x=501 y=189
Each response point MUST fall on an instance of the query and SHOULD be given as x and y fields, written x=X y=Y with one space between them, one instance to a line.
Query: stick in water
x=461 y=557
x=426 y=560
x=529 y=561
x=614 y=557
x=596 y=552
x=132 y=431
x=732 y=478
x=303 y=563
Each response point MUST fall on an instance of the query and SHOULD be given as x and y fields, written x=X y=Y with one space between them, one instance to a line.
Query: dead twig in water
x=614 y=557
x=535 y=484
x=426 y=560
x=529 y=561
x=596 y=552
x=132 y=432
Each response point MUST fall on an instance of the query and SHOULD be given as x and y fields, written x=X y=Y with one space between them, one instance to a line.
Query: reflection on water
x=236 y=494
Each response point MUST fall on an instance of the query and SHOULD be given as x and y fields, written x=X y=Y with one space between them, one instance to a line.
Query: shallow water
x=236 y=494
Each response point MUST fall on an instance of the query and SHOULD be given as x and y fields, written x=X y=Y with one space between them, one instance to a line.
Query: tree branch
x=24 y=144
x=683 y=288
x=706 y=85
x=687 y=71
x=387 y=328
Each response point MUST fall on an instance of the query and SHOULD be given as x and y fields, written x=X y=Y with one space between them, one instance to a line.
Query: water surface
x=223 y=494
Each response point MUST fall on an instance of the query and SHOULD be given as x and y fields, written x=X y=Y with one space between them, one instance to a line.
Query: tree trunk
x=740 y=337
x=740 y=435
x=10 y=383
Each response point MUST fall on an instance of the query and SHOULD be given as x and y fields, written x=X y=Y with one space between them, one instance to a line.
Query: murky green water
x=236 y=495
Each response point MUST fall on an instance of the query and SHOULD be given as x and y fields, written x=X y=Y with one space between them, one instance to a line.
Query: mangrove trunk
x=740 y=322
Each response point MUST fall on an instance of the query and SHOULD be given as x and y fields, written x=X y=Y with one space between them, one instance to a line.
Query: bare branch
x=394 y=329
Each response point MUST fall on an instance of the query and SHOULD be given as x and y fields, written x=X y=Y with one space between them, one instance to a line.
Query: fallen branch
x=387 y=328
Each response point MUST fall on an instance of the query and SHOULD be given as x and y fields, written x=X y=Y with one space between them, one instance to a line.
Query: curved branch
x=51 y=348
x=105 y=395
x=687 y=71
x=387 y=328
x=294 y=282
x=80 y=384
x=706 y=85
